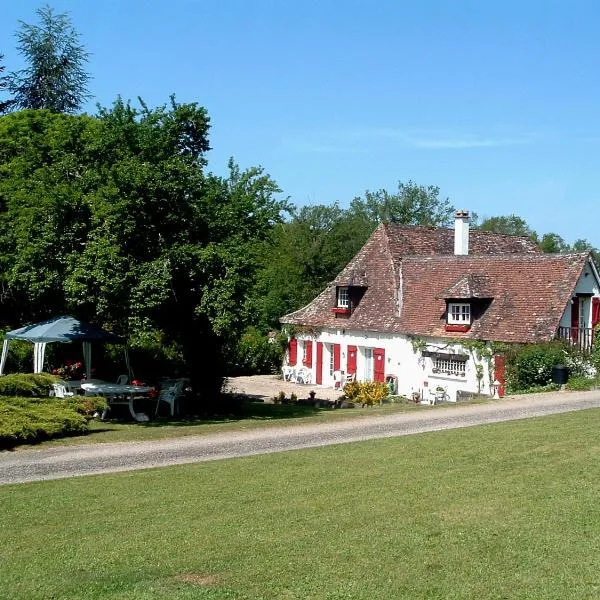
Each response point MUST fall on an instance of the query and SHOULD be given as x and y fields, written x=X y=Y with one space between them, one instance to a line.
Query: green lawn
x=503 y=511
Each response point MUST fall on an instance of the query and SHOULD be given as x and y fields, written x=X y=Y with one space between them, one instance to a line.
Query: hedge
x=29 y=420
x=35 y=385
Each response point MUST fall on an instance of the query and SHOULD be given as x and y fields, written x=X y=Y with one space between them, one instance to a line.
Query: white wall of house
x=587 y=284
x=414 y=371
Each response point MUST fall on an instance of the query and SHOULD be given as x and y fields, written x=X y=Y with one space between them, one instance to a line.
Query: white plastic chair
x=303 y=375
x=289 y=373
x=170 y=394
x=60 y=391
x=338 y=378
x=350 y=377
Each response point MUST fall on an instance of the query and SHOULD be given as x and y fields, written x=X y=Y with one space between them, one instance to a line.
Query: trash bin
x=392 y=384
x=560 y=374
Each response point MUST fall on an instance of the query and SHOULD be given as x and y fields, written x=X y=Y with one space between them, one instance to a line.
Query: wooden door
x=351 y=360
x=379 y=364
x=319 y=373
x=575 y=319
x=500 y=374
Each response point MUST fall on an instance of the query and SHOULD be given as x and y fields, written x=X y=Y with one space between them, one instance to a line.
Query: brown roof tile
x=409 y=271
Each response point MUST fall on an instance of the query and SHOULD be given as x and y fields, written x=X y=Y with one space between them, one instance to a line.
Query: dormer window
x=343 y=297
x=459 y=313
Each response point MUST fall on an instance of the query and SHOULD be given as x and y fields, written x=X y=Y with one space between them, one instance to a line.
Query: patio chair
x=338 y=378
x=303 y=375
x=289 y=373
x=122 y=380
x=350 y=377
x=59 y=390
x=170 y=393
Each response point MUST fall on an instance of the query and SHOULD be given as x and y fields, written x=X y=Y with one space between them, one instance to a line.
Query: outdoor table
x=116 y=393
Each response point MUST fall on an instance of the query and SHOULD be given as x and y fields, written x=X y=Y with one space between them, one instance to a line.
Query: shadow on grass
x=229 y=409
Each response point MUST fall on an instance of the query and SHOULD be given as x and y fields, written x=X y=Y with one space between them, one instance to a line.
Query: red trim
x=351 y=361
x=379 y=366
x=308 y=360
x=336 y=310
x=462 y=328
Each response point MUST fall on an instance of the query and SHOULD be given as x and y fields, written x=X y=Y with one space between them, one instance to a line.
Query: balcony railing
x=582 y=337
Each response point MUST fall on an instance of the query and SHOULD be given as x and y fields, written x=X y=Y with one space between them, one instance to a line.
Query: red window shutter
x=595 y=311
x=293 y=351
x=308 y=362
x=336 y=357
x=319 y=373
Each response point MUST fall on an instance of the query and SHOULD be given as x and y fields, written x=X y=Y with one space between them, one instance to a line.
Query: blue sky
x=495 y=102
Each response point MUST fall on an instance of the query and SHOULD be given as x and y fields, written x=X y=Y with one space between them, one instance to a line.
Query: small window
x=343 y=299
x=459 y=313
x=449 y=366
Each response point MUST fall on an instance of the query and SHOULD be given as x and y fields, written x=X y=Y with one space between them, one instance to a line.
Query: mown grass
x=503 y=511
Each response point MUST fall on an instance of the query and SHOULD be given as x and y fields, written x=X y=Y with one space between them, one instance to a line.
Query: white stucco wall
x=587 y=284
x=413 y=370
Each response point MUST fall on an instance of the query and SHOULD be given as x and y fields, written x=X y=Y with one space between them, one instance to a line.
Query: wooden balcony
x=582 y=337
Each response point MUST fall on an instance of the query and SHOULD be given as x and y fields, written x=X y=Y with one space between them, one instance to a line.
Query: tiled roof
x=410 y=271
x=529 y=294
x=473 y=285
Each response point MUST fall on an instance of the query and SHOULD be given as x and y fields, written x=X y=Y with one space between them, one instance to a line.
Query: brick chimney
x=461 y=232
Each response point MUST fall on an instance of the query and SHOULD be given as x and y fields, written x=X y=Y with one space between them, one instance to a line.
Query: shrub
x=28 y=420
x=367 y=393
x=36 y=385
x=257 y=354
x=580 y=384
x=531 y=365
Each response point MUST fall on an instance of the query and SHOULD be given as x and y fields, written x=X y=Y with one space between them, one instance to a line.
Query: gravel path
x=56 y=463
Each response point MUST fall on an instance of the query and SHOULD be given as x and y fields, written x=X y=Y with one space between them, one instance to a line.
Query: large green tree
x=507 y=224
x=4 y=104
x=114 y=218
x=55 y=77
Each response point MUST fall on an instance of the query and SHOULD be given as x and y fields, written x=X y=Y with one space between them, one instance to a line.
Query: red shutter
x=351 y=360
x=319 y=374
x=293 y=351
x=336 y=357
x=595 y=311
x=308 y=361
x=499 y=374
x=379 y=366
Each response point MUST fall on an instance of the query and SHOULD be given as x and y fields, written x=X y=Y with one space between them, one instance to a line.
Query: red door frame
x=319 y=373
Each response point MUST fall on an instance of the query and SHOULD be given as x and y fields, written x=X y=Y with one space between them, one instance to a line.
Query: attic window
x=343 y=298
x=459 y=313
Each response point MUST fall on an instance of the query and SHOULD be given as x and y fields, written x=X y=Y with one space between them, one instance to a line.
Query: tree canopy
x=55 y=77
x=113 y=217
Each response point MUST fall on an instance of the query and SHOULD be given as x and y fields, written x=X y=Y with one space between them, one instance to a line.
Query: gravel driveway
x=55 y=463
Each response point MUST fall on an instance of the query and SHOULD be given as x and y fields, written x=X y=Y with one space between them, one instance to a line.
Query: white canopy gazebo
x=63 y=329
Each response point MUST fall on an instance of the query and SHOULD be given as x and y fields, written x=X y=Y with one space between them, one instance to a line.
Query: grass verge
x=502 y=511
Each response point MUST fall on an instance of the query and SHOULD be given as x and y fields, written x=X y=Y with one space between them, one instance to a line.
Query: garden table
x=116 y=393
